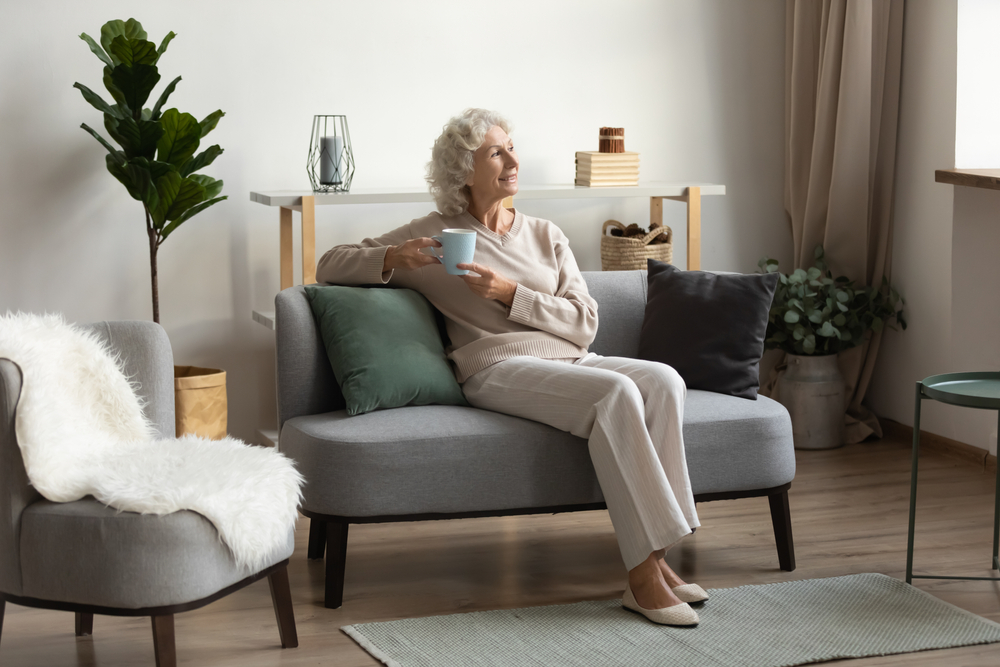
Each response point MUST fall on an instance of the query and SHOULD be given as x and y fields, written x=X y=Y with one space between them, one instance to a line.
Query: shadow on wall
x=743 y=67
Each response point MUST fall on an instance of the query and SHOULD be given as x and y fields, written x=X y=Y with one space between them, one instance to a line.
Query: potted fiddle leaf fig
x=813 y=317
x=157 y=153
x=156 y=160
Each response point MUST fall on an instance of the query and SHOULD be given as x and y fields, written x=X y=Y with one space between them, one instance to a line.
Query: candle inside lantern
x=331 y=152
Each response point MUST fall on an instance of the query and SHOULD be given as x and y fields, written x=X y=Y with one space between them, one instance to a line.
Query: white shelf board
x=293 y=198
x=268 y=437
x=264 y=317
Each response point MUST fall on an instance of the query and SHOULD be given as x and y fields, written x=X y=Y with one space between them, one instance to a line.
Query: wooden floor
x=849 y=511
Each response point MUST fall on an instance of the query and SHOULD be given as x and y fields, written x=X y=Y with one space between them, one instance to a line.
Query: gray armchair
x=90 y=559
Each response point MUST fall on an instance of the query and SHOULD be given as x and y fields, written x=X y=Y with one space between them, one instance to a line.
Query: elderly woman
x=520 y=326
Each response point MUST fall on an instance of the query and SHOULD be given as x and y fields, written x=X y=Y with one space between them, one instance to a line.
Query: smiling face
x=494 y=176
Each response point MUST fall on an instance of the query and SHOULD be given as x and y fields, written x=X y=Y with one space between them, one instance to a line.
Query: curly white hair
x=452 y=157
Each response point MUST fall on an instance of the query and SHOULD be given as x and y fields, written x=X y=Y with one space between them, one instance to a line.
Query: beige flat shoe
x=690 y=593
x=679 y=614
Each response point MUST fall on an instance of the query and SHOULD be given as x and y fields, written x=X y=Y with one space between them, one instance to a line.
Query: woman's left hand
x=489 y=284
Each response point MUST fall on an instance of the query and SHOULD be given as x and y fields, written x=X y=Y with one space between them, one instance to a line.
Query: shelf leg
x=286 y=247
x=694 y=229
x=655 y=212
x=308 y=240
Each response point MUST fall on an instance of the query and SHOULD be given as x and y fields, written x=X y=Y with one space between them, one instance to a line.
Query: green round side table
x=970 y=390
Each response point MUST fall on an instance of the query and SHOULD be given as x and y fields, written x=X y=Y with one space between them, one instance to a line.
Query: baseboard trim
x=942 y=445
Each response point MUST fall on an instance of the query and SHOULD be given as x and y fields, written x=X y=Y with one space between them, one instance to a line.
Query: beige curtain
x=842 y=72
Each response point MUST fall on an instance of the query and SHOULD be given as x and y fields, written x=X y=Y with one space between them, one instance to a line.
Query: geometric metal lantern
x=331 y=161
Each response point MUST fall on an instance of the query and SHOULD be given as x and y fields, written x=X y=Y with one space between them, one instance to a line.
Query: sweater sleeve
x=570 y=313
x=360 y=263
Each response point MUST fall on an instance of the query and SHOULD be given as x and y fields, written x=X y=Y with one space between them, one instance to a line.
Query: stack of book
x=595 y=169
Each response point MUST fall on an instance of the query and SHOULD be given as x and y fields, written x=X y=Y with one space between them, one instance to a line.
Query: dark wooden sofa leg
x=281 y=596
x=84 y=624
x=163 y=641
x=3 y=607
x=317 y=539
x=781 y=519
x=336 y=563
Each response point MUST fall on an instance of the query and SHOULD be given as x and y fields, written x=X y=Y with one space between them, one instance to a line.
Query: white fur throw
x=81 y=432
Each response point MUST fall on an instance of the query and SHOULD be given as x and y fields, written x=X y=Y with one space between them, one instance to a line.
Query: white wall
x=977 y=133
x=946 y=237
x=698 y=86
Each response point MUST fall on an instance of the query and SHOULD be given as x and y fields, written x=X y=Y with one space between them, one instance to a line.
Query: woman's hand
x=489 y=284
x=408 y=256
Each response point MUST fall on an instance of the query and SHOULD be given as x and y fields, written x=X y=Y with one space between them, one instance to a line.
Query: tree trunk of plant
x=153 y=247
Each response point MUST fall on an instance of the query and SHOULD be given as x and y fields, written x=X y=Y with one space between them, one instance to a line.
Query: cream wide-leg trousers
x=630 y=411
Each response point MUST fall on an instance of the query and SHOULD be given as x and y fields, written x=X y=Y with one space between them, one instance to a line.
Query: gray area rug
x=771 y=625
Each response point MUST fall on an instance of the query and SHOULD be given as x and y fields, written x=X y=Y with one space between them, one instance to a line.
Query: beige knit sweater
x=552 y=315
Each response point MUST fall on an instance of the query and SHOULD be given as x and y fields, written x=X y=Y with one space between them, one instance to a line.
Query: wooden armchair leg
x=3 y=607
x=163 y=641
x=84 y=624
x=781 y=519
x=281 y=596
x=336 y=564
x=317 y=539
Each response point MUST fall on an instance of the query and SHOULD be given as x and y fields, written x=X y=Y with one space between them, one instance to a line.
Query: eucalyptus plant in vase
x=158 y=154
x=813 y=317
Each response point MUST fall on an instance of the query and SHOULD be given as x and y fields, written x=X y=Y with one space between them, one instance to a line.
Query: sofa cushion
x=384 y=346
x=88 y=553
x=709 y=327
x=445 y=459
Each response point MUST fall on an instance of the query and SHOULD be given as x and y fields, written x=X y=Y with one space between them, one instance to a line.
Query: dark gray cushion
x=445 y=459
x=710 y=328
x=88 y=553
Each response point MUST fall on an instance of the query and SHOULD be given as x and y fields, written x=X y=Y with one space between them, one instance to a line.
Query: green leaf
x=155 y=114
x=828 y=330
x=791 y=316
x=121 y=171
x=818 y=252
x=809 y=344
x=163 y=44
x=116 y=92
x=138 y=138
x=213 y=187
x=840 y=320
x=815 y=316
x=130 y=29
x=181 y=136
x=96 y=100
x=118 y=156
x=135 y=82
x=201 y=160
x=167 y=187
x=210 y=121
x=132 y=52
x=96 y=48
x=188 y=214
x=188 y=194
x=843 y=296
x=813 y=273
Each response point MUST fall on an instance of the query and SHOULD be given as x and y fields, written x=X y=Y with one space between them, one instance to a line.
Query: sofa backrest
x=307 y=386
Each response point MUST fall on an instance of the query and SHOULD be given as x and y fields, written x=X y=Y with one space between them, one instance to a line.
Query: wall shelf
x=988 y=179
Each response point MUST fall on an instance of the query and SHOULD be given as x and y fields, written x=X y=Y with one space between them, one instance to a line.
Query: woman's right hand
x=408 y=256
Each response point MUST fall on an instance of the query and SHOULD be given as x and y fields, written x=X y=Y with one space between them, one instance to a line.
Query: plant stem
x=153 y=247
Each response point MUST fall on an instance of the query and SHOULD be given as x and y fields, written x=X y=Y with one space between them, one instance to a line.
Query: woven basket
x=619 y=253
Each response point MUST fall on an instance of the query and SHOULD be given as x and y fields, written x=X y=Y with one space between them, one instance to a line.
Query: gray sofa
x=437 y=461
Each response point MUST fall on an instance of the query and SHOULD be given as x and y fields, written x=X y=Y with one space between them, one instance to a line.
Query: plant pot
x=200 y=405
x=813 y=391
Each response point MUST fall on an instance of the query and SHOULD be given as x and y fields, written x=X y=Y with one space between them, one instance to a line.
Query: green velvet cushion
x=384 y=346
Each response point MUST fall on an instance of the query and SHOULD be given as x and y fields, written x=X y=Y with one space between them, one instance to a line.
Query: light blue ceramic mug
x=458 y=246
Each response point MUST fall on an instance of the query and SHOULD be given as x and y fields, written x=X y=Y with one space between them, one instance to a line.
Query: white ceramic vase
x=813 y=391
